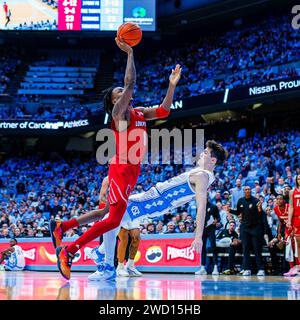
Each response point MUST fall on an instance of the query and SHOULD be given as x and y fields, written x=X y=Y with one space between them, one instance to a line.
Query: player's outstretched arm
x=164 y=110
x=121 y=106
x=201 y=182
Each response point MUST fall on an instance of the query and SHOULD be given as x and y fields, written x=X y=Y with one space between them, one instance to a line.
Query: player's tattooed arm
x=121 y=106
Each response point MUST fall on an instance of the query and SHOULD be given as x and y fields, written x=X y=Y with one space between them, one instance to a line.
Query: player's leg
x=212 y=240
x=135 y=236
x=106 y=270
x=58 y=228
x=297 y=237
x=123 y=237
x=202 y=270
x=65 y=255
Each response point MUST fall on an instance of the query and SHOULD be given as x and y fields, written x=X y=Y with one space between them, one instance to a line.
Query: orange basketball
x=130 y=33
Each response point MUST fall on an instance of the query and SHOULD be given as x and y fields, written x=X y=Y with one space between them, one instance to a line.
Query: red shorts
x=122 y=179
x=296 y=224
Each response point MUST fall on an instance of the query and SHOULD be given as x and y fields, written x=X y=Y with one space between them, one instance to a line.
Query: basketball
x=130 y=33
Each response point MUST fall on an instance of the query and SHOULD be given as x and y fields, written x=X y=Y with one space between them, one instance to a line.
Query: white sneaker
x=261 y=273
x=122 y=272
x=241 y=272
x=94 y=255
x=133 y=272
x=2 y=268
x=215 y=271
x=201 y=271
x=247 y=273
x=105 y=272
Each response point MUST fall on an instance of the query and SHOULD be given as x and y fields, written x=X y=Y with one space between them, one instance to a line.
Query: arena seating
x=64 y=189
x=251 y=55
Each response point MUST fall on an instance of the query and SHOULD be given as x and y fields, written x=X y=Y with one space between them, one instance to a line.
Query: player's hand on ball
x=123 y=46
x=175 y=75
x=197 y=245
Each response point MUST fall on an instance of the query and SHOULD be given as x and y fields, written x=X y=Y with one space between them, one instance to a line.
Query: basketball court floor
x=32 y=285
x=26 y=11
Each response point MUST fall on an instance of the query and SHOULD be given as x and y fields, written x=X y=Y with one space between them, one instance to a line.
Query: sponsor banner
x=42 y=252
x=162 y=251
x=42 y=125
x=281 y=86
x=167 y=252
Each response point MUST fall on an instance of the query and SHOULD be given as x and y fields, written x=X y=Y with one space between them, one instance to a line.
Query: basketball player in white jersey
x=13 y=257
x=157 y=201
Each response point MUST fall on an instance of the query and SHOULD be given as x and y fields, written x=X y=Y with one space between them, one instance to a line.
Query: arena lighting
x=87 y=135
x=159 y=122
x=256 y=106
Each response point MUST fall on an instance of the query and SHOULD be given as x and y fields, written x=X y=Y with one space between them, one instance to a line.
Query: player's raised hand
x=175 y=75
x=197 y=245
x=123 y=46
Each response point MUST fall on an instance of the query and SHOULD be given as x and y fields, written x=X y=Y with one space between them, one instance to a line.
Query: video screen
x=76 y=15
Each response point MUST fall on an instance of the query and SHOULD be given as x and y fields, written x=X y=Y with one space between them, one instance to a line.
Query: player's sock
x=297 y=261
x=110 y=240
x=101 y=248
x=291 y=264
x=67 y=225
x=130 y=263
x=116 y=212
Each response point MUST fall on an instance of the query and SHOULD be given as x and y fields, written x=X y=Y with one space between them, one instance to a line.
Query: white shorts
x=130 y=225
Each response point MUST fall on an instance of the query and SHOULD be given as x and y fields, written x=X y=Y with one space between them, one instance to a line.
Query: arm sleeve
x=161 y=112
x=272 y=189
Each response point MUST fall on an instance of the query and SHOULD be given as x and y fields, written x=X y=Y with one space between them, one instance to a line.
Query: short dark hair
x=107 y=103
x=297 y=184
x=217 y=151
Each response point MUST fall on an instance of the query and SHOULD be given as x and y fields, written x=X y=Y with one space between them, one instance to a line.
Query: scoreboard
x=105 y=15
x=77 y=15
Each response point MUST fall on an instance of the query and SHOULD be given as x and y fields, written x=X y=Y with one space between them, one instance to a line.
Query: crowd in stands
x=62 y=188
x=68 y=113
x=52 y=3
x=9 y=64
x=246 y=56
x=40 y=25
x=34 y=190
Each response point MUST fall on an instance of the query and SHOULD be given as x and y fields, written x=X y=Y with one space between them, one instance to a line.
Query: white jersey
x=16 y=260
x=163 y=197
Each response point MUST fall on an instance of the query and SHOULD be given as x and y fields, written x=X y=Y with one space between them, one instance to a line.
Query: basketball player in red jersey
x=294 y=222
x=127 y=123
x=5 y=7
x=282 y=212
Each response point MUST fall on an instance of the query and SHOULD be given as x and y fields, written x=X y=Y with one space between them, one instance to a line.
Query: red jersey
x=296 y=202
x=5 y=7
x=282 y=214
x=131 y=144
